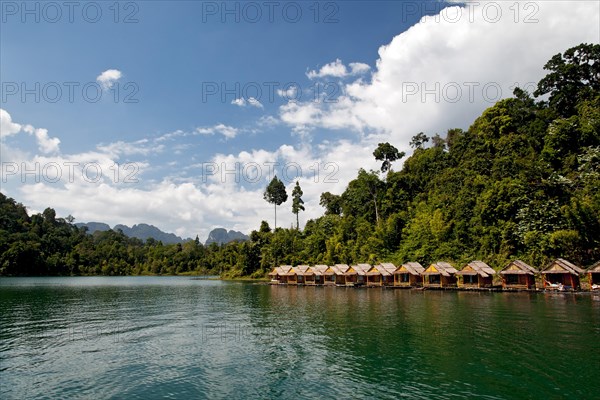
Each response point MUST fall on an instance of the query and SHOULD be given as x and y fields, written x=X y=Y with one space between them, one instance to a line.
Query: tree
x=388 y=154
x=419 y=140
x=297 y=202
x=574 y=76
x=275 y=194
x=332 y=203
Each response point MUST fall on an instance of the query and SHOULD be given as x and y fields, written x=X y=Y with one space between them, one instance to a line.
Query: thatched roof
x=477 y=268
x=302 y=270
x=442 y=268
x=342 y=268
x=319 y=269
x=518 y=267
x=379 y=270
x=358 y=269
x=594 y=268
x=562 y=266
x=281 y=270
x=389 y=267
x=413 y=268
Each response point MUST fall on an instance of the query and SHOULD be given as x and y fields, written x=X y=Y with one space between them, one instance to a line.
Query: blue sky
x=358 y=73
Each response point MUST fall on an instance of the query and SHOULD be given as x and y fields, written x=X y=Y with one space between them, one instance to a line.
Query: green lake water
x=173 y=337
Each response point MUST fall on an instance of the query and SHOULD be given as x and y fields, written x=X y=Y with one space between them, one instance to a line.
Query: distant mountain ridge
x=145 y=231
x=221 y=236
x=140 y=231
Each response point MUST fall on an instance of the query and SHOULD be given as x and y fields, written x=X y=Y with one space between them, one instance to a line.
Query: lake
x=174 y=337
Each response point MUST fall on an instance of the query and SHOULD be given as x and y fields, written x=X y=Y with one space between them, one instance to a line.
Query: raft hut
x=518 y=275
x=388 y=280
x=356 y=275
x=280 y=274
x=302 y=271
x=340 y=277
x=329 y=275
x=594 y=275
x=381 y=275
x=439 y=275
x=317 y=277
x=476 y=275
x=561 y=274
x=409 y=275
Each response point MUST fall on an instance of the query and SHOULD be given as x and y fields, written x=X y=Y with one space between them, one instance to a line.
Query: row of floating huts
x=560 y=275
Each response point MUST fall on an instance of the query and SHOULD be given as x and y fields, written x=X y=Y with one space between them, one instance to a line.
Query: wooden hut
x=329 y=275
x=340 y=277
x=380 y=275
x=561 y=274
x=356 y=275
x=319 y=277
x=280 y=274
x=476 y=274
x=362 y=270
x=440 y=274
x=301 y=273
x=518 y=275
x=409 y=275
x=594 y=275
x=388 y=279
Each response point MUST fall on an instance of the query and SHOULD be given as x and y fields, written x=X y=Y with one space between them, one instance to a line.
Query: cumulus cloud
x=444 y=71
x=229 y=132
x=7 y=127
x=252 y=102
x=337 y=69
x=289 y=93
x=108 y=78
x=46 y=144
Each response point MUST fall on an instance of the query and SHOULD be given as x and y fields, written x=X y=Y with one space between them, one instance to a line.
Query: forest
x=522 y=182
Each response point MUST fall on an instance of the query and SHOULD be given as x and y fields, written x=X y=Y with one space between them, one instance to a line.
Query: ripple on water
x=176 y=338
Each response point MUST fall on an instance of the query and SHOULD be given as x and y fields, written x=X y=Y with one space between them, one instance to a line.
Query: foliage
x=275 y=194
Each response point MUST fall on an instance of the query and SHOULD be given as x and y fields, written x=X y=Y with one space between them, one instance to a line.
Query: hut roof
x=562 y=266
x=342 y=268
x=303 y=270
x=319 y=269
x=594 y=267
x=358 y=269
x=379 y=270
x=442 y=268
x=333 y=270
x=413 y=268
x=281 y=270
x=477 y=268
x=518 y=267
x=389 y=267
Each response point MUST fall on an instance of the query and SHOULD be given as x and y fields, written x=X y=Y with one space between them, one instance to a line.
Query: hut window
x=404 y=278
x=512 y=279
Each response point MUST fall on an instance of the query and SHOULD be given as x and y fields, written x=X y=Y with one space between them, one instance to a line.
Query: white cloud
x=359 y=68
x=108 y=78
x=290 y=93
x=229 y=132
x=241 y=102
x=337 y=69
x=7 y=127
x=442 y=73
x=252 y=102
x=46 y=144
